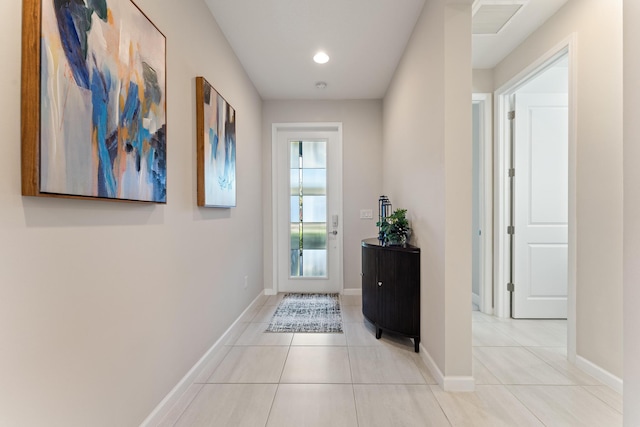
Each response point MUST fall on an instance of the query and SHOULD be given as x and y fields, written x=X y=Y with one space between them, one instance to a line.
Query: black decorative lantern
x=384 y=210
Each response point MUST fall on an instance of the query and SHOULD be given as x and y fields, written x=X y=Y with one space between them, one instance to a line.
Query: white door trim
x=283 y=127
x=501 y=188
x=485 y=102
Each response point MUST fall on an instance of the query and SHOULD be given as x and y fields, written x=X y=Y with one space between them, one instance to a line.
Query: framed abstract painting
x=93 y=101
x=216 y=147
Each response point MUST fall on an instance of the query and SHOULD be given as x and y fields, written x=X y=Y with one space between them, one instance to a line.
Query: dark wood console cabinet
x=391 y=288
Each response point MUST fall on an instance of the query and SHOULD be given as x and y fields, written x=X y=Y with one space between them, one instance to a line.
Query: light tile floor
x=351 y=379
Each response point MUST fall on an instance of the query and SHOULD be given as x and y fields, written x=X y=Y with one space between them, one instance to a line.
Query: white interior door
x=309 y=210
x=541 y=206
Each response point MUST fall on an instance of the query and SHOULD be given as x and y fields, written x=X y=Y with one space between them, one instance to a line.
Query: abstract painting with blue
x=102 y=101
x=216 y=147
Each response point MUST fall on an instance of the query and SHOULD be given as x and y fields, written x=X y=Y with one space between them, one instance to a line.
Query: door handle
x=379 y=283
x=334 y=232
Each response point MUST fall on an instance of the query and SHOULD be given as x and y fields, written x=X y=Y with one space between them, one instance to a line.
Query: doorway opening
x=534 y=243
x=482 y=197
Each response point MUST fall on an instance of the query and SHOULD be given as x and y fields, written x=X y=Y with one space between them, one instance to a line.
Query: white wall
x=598 y=27
x=427 y=169
x=362 y=177
x=482 y=81
x=631 y=213
x=106 y=306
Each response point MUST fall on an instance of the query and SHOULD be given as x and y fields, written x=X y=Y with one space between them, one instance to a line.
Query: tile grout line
x=273 y=400
x=184 y=411
x=353 y=389
x=487 y=368
x=548 y=364
x=545 y=362
x=439 y=404
x=279 y=381
x=554 y=368
x=524 y=404
x=586 y=388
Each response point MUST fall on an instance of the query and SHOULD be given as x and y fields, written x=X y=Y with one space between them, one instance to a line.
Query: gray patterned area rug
x=307 y=313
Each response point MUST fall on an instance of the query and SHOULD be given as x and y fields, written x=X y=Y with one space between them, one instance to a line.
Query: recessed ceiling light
x=321 y=85
x=321 y=58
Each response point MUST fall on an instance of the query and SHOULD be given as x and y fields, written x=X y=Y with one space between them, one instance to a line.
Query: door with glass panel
x=309 y=230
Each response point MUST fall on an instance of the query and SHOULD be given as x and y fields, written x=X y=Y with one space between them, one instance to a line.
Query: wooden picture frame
x=216 y=147
x=93 y=101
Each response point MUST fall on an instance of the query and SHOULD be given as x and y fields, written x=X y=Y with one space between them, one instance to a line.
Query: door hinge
x=510 y=287
x=512 y=172
x=511 y=115
x=511 y=229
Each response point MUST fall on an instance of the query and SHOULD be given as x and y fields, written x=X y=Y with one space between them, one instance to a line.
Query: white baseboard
x=600 y=374
x=165 y=406
x=431 y=365
x=450 y=383
x=270 y=292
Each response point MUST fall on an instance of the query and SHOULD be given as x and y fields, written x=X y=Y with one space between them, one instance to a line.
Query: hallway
x=352 y=379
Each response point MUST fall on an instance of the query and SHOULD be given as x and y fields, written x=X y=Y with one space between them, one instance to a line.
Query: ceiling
x=275 y=41
x=490 y=49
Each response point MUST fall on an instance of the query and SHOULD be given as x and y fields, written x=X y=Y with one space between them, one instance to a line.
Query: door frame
x=485 y=175
x=501 y=184
x=304 y=127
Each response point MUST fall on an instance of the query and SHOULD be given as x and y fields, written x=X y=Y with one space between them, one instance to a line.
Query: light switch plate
x=366 y=214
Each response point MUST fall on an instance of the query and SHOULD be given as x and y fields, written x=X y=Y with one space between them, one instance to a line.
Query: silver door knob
x=334 y=232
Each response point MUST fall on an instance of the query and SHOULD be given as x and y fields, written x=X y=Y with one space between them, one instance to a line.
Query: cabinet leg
x=378 y=333
x=416 y=344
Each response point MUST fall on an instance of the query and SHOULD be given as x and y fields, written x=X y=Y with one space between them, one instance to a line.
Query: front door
x=309 y=223
x=541 y=206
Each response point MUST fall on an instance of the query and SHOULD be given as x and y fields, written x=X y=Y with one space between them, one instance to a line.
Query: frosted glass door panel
x=313 y=236
x=308 y=263
x=308 y=209
x=294 y=179
x=314 y=263
x=314 y=182
x=314 y=154
x=314 y=208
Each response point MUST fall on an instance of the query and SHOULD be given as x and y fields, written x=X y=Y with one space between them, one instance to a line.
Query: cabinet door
x=370 y=283
x=400 y=291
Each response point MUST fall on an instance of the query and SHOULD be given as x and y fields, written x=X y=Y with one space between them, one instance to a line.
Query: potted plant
x=394 y=229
